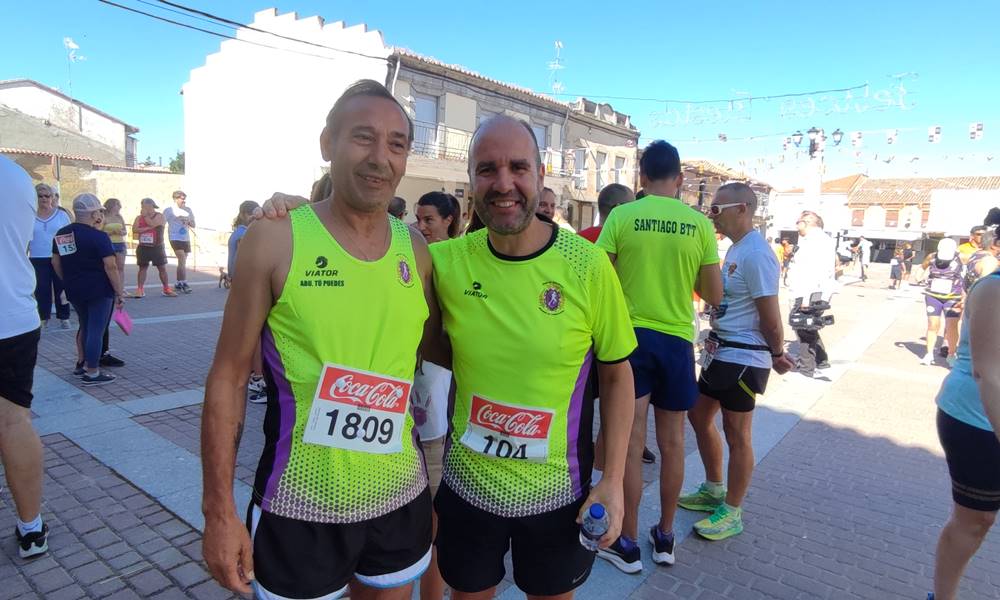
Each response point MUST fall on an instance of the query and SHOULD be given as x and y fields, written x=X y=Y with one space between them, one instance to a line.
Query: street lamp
x=837 y=136
x=813 y=132
x=797 y=138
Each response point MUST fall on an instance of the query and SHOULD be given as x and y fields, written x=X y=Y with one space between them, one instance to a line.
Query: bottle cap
x=597 y=510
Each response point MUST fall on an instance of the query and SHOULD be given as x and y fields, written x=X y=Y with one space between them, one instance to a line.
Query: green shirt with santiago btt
x=340 y=347
x=524 y=332
x=661 y=244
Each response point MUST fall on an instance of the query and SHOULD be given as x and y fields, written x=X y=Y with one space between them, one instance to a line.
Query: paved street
x=847 y=501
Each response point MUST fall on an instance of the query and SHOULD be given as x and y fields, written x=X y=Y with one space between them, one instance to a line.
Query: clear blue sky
x=135 y=67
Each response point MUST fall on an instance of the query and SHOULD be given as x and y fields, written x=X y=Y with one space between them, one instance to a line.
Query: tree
x=177 y=163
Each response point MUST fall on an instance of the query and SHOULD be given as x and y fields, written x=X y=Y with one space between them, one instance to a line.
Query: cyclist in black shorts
x=746 y=342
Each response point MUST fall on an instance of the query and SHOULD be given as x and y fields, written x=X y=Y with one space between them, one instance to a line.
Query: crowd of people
x=431 y=390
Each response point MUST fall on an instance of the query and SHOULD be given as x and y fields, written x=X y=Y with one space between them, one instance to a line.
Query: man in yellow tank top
x=338 y=296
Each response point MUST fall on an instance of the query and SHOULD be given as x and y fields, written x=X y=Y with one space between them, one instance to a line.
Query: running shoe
x=928 y=359
x=64 y=324
x=99 y=379
x=109 y=360
x=722 y=524
x=823 y=365
x=648 y=457
x=33 y=544
x=623 y=554
x=169 y=292
x=702 y=499
x=943 y=351
x=79 y=371
x=257 y=390
x=187 y=288
x=663 y=546
x=138 y=293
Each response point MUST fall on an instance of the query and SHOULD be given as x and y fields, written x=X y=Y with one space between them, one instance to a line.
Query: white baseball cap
x=947 y=249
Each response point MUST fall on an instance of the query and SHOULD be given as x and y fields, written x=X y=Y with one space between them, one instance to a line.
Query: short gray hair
x=741 y=192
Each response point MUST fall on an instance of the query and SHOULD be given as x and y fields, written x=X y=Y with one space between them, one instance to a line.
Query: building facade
x=253 y=118
x=34 y=116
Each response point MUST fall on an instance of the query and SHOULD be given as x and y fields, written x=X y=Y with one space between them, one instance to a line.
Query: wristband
x=778 y=355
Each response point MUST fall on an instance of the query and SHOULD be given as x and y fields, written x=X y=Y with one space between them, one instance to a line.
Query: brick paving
x=160 y=357
x=849 y=504
x=183 y=427
x=108 y=539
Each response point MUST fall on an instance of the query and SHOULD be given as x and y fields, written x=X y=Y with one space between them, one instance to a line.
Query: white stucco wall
x=253 y=116
x=955 y=212
x=41 y=104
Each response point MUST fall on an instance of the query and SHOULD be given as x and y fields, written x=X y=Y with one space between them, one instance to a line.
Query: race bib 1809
x=506 y=431
x=358 y=410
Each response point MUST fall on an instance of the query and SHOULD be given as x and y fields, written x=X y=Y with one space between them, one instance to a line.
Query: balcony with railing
x=434 y=140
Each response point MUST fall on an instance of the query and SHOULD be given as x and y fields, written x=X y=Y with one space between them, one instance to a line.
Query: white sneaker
x=927 y=360
x=257 y=390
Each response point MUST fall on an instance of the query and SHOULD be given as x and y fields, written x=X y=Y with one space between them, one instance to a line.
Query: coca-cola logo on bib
x=363 y=389
x=514 y=421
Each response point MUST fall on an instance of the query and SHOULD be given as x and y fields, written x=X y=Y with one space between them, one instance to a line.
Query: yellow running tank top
x=339 y=350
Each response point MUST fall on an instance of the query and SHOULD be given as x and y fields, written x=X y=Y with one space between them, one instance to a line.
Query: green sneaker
x=723 y=523
x=702 y=500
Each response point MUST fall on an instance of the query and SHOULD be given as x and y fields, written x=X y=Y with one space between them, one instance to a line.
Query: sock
x=716 y=488
x=736 y=510
x=26 y=528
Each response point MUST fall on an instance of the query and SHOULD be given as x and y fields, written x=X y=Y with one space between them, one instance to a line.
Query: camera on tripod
x=810 y=317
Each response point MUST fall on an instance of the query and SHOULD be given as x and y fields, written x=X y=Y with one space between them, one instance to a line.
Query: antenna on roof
x=554 y=67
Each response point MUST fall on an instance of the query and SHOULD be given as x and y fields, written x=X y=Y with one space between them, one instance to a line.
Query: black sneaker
x=663 y=546
x=823 y=365
x=109 y=360
x=187 y=288
x=648 y=457
x=79 y=371
x=99 y=379
x=626 y=560
x=34 y=544
x=943 y=351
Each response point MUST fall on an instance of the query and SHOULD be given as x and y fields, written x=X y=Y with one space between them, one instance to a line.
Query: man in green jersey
x=338 y=296
x=663 y=250
x=527 y=306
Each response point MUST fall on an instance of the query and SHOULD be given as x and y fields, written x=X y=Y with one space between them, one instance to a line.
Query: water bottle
x=595 y=525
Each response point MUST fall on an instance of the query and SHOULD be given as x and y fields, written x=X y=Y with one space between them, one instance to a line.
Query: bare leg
x=933 y=325
x=164 y=280
x=959 y=541
x=670 y=439
x=483 y=595
x=951 y=334
x=181 y=265
x=120 y=261
x=737 y=426
x=21 y=454
x=702 y=418
x=140 y=278
x=633 y=469
x=360 y=591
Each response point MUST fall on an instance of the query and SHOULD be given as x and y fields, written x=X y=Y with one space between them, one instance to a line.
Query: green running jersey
x=661 y=245
x=524 y=331
x=339 y=351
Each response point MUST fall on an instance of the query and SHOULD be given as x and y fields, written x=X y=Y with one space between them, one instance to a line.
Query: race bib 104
x=507 y=431
x=358 y=410
x=66 y=244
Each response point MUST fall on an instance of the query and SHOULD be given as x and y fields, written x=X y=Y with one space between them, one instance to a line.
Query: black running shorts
x=973 y=456
x=18 y=355
x=301 y=559
x=545 y=549
x=180 y=245
x=735 y=386
x=150 y=254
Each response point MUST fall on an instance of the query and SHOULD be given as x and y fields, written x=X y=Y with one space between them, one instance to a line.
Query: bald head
x=505 y=174
x=739 y=192
x=504 y=123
